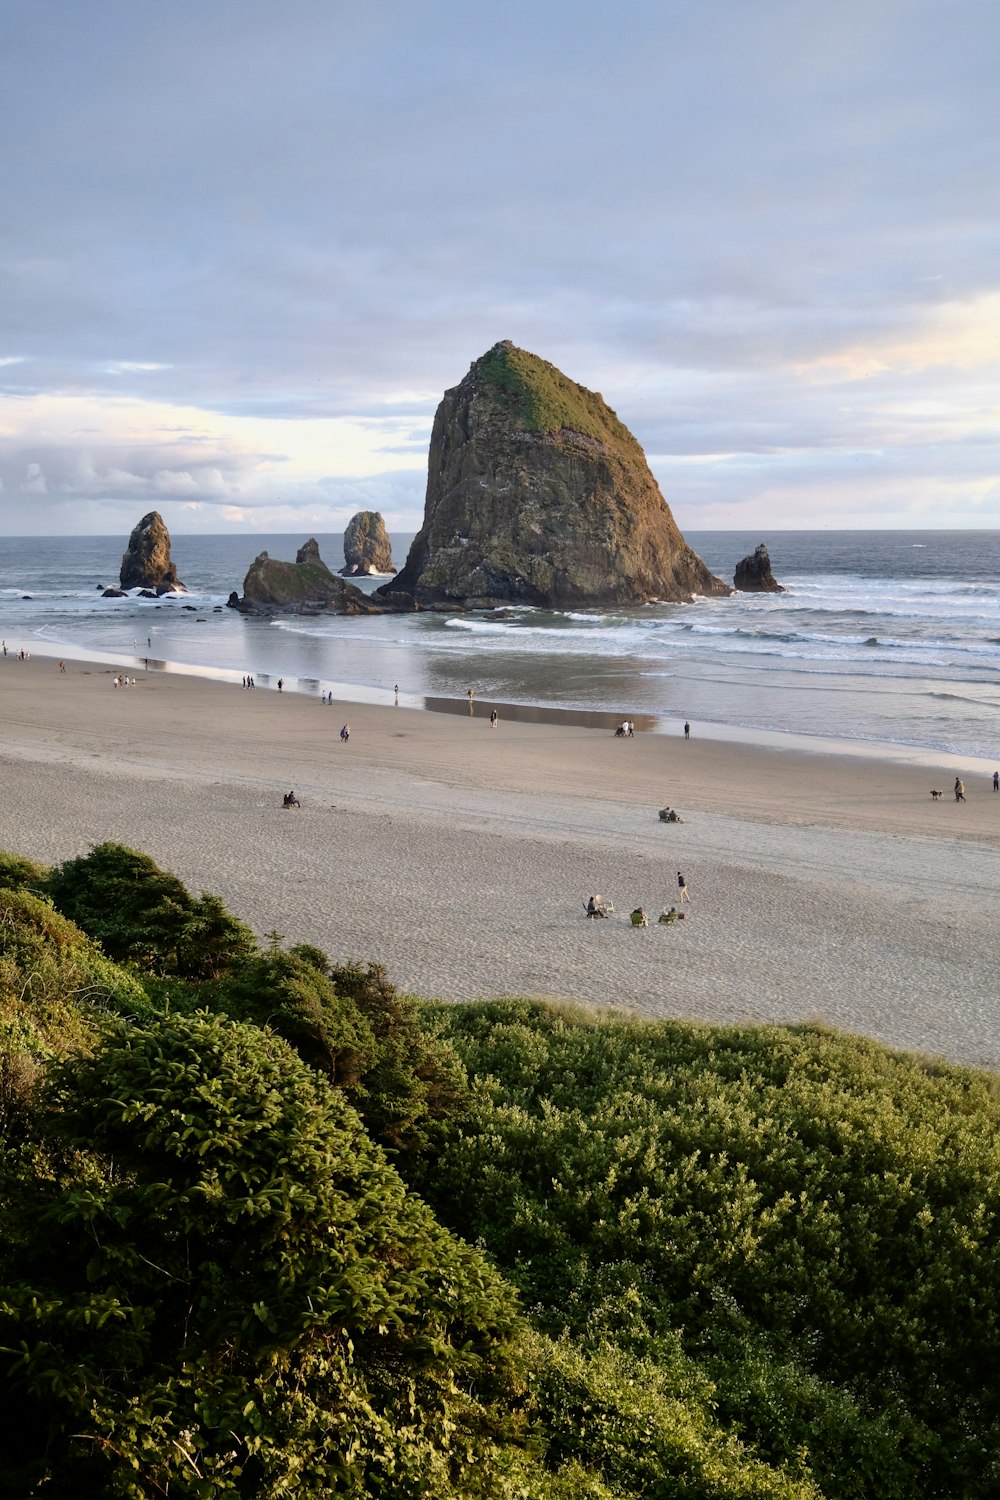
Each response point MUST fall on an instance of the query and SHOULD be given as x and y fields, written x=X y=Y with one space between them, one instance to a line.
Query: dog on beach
x=937 y=796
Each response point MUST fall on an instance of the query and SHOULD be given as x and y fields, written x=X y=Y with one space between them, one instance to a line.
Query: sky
x=245 y=245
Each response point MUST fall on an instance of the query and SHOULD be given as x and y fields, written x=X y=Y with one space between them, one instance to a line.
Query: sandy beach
x=823 y=887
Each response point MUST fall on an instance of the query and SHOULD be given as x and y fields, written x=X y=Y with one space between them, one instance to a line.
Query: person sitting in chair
x=666 y=917
x=595 y=907
x=638 y=917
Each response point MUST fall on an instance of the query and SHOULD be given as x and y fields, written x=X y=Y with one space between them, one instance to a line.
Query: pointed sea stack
x=146 y=563
x=754 y=576
x=366 y=545
x=537 y=494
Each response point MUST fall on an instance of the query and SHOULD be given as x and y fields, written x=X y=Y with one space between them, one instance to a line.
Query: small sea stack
x=367 y=549
x=305 y=584
x=146 y=563
x=753 y=574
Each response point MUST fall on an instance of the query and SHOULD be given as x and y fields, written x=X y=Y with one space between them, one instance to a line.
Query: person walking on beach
x=959 y=790
x=996 y=781
x=494 y=719
x=396 y=691
x=687 y=730
x=281 y=684
x=683 y=894
x=345 y=733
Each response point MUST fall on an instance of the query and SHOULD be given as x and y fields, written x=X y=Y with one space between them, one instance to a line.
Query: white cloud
x=767 y=233
x=34 y=482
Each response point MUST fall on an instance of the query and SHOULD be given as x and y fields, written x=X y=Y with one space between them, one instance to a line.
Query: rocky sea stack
x=538 y=494
x=305 y=583
x=754 y=576
x=146 y=563
x=366 y=545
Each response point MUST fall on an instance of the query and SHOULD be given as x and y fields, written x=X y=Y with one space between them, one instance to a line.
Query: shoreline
x=824 y=887
x=891 y=752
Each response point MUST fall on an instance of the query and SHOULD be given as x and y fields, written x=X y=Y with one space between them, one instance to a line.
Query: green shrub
x=227 y=1290
x=817 y=1214
x=144 y=916
x=20 y=873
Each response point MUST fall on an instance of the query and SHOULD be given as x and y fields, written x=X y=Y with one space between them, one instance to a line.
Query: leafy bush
x=227 y=1290
x=618 y=1416
x=817 y=1214
x=292 y=994
x=416 y=1080
x=144 y=916
x=352 y=1025
x=20 y=873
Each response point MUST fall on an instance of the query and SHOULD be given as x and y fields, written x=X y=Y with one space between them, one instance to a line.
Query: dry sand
x=823 y=887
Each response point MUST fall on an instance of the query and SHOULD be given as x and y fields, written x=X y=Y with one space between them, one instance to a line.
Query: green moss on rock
x=546 y=400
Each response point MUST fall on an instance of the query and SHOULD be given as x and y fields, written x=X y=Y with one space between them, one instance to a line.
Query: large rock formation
x=366 y=545
x=306 y=582
x=754 y=576
x=146 y=563
x=537 y=494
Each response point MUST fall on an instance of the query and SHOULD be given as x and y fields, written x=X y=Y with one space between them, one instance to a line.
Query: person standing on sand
x=682 y=888
x=687 y=730
x=959 y=790
x=996 y=781
x=494 y=719
x=281 y=684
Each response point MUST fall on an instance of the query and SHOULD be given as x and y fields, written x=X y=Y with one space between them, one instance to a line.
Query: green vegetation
x=145 y=917
x=543 y=399
x=814 y=1215
x=240 y=1187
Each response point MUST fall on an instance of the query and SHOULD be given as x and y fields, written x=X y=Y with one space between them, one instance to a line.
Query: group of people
x=598 y=907
x=625 y=730
x=121 y=681
x=290 y=800
x=248 y=682
x=638 y=918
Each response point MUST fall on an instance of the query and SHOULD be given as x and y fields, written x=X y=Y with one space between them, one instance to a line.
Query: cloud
x=34 y=481
x=761 y=231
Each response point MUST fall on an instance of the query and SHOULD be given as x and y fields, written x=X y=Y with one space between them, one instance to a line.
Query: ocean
x=883 y=639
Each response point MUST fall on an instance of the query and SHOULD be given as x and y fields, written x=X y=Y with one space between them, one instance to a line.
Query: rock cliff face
x=537 y=494
x=146 y=563
x=366 y=545
x=754 y=576
x=271 y=584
